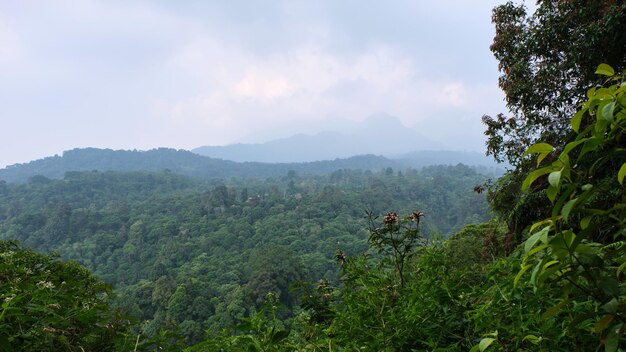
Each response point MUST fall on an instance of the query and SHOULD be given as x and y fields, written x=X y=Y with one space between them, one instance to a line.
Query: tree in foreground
x=50 y=305
x=547 y=62
x=580 y=248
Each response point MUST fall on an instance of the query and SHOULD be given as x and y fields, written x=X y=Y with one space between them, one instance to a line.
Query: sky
x=183 y=74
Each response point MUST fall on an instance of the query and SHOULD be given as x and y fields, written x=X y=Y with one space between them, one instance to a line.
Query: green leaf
x=554 y=178
x=484 y=343
x=549 y=264
x=621 y=174
x=611 y=306
x=576 y=120
x=543 y=149
x=601 y=124
x=602 y=323
x=571 y=145
x=540 y=158
x=590 y=146
x=535 y=272
x=612 y=338
x=536 y=250
x=621 y=268
x=567 y=208
x=583 y=249
x=591 y=92
x=605 y=70
x=564 y=197
x=607 y=111
x=542 y=222
x=535 y=340
x=551 y=193
x=533 y=176
x=538 y=148
x=520 y=273
x=532 y=240
x=552 y=311
x=584 y=222
x=621 y=97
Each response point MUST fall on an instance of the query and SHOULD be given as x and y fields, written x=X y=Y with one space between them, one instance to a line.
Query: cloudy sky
x=144 y=74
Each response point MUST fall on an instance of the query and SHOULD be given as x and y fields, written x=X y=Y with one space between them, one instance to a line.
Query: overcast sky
x=145 y=74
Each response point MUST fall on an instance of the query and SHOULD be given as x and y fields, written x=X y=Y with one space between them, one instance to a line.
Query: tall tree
x=547 y=61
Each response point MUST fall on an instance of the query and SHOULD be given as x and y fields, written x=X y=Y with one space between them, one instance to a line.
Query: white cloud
x=453 y=94
x=147 y=74
x=243 y=93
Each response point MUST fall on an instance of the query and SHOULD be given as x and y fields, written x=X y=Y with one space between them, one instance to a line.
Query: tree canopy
x=356 y=260
x=547 y=60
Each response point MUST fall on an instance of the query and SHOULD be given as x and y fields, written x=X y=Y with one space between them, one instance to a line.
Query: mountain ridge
x=178 y=161
x=379 y=134
x=190 y=164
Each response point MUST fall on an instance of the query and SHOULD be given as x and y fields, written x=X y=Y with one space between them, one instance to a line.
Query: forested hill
x=178 y=161
x=392 y=259
x=193 y=165
x=203 y=254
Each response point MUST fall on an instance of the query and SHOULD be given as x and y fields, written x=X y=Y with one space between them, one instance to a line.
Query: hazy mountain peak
x=379 y=134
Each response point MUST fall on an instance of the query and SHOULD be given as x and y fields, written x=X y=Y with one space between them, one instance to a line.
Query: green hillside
x=106 y=250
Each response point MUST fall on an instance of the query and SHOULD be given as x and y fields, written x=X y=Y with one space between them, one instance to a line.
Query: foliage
x=370 y=311
x=397 y=238
x=275 y=270
x=224 y=263
x=547 y=61
x=581 y=247
x=261 y=332
x=514 y=316
x=202 y=255
x=52 y=305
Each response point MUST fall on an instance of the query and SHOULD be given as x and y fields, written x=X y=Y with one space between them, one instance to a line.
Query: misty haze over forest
x=321 y=176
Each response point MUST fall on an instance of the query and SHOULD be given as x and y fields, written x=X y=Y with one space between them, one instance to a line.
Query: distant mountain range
x=379 y=134
x=194 y=165
x=379 y=142
x=177 y=161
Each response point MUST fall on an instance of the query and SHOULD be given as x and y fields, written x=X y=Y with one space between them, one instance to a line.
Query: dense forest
x=435 y=259
x=200 y=254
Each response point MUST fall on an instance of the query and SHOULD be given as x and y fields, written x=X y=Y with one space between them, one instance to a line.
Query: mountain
x=178 y=161
x=418 y=159
x=190 y=164
x=379 y=134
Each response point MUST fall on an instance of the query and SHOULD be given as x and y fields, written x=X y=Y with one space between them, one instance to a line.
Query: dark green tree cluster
x=251 y=265
x=49 y=305
x=547 y=60
x=551 y=276
x=200 y=255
